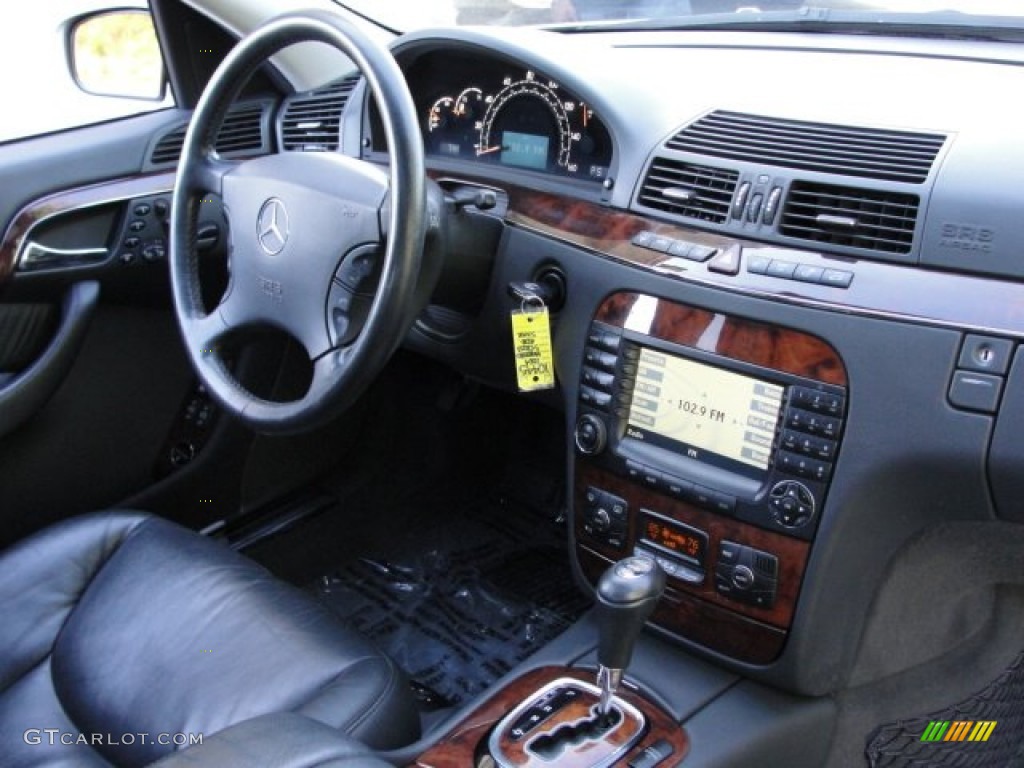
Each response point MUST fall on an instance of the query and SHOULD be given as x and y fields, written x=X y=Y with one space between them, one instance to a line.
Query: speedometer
x=527 y=125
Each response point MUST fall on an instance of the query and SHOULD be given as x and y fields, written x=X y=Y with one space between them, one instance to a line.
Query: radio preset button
x=815 y=447
x=821 y=402
x=802 y=466
x=812 y=423
x=634 y=471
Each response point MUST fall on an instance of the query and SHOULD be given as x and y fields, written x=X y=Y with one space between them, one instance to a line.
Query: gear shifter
x=626 y=595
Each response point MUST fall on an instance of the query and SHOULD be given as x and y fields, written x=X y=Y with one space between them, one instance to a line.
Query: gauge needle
x=489 y=150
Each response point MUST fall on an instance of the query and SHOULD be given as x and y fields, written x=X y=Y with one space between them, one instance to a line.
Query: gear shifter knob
x=626 y=595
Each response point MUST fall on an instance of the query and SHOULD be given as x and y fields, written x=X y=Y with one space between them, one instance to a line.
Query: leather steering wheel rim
x=392 y=203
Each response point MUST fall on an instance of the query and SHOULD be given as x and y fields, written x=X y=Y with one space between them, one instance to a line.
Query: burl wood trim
x=706 y=624
x=792 y=553
x=72 y=199
x=460 y=746
x=769 y=346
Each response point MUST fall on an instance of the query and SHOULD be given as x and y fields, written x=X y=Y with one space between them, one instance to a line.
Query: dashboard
x=489 y=111
x=774 y=356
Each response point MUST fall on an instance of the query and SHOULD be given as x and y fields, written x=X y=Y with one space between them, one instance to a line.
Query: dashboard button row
x=682 y=249
x=813 y=423
x=815 y=447
x=828 y=403
x=683 y=490
x=802 y=273
x=600 y=357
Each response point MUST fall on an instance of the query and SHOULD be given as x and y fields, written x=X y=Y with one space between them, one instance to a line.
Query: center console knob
x=590 y=435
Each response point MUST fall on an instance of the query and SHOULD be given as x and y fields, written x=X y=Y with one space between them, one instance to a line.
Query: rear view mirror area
x=116 y=53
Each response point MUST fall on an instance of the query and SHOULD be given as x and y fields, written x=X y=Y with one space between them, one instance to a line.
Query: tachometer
x=526 y=125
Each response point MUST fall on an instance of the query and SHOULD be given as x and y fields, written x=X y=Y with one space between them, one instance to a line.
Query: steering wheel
x=311 y=235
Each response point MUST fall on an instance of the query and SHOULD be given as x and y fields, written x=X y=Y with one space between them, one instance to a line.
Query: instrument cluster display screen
x=707 y=413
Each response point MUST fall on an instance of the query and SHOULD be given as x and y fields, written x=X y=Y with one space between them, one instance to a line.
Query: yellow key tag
x=531 y=339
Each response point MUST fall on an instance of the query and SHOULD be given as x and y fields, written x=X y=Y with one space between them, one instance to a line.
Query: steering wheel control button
x=985 y=354
x=360 y=270
x=976 y=391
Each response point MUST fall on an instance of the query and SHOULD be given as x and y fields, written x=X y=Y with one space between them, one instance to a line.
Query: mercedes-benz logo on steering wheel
x=272 y=227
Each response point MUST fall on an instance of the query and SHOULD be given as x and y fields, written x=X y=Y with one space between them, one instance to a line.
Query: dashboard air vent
x=869 y=219
x=311 y=121
x=689 y=190
x=869 y=153
x=242 y=133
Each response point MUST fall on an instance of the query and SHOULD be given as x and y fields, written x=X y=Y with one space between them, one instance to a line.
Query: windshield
x=409 y=15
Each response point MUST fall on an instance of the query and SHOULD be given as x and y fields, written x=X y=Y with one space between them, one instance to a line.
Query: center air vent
x=869 y=219
x=243 y=133
x=689 y=190
x=870 y=153
x=311 y=121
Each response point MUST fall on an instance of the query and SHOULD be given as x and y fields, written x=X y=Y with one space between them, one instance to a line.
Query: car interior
x=604 y=389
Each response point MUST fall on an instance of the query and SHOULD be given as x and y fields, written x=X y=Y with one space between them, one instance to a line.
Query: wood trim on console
x=460 y=746
x=768 y=346
x=698 y=611
x=69 y=200
x=792 y=552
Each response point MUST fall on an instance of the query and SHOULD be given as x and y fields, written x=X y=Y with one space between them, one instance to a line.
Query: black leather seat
x=125 y=624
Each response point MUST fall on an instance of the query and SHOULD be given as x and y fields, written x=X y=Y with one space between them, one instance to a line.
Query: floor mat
x=986 y=731
x=459 y=604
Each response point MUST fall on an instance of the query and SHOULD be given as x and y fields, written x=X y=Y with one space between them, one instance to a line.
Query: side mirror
x=116 y=53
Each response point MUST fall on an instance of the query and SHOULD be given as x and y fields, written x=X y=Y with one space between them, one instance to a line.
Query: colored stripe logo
x=959 y=730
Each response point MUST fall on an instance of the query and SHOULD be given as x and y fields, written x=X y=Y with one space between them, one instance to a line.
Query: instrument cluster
x=490 y=112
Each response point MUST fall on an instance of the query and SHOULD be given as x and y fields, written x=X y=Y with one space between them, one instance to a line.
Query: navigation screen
x=704 y=410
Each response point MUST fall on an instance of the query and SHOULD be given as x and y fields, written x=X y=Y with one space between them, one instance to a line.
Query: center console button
x=678 y=487
x=652 y=478
x=598 y=379
x=599 y=359
x=742 y=577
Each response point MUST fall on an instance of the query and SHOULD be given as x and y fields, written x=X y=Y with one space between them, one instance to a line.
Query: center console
x=706 y=442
